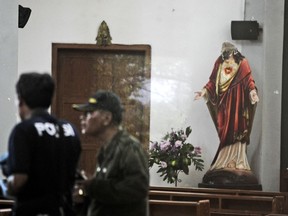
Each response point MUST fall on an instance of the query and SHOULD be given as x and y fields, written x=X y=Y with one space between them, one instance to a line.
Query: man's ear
x=21 y=102
x=108 y=118
x=23 y=110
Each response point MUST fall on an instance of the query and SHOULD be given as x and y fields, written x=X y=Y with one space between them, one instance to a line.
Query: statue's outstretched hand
x=199 y=94
x=254 y=96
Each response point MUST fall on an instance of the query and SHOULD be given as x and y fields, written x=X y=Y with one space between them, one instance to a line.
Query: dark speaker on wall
x=244 y=30
x=23 y=16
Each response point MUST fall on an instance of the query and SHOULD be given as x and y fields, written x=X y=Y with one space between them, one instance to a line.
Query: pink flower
x=164 y=145
x=178 y=143
x=197 y=150
x=153 y=145
x=183 y=136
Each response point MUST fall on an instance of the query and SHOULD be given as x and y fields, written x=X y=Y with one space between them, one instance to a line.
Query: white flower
x=163 y=164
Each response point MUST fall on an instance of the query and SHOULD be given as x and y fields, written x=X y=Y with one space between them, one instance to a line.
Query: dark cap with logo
x=103 y=100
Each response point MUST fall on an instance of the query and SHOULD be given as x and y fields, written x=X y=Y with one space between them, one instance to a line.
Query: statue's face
x=229 y=65
x=226 y=55
x=230 y=60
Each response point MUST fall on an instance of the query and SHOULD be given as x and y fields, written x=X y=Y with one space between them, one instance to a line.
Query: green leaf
x=166 y=136
x=151 y=162
x=186 y=169
x=188 y=131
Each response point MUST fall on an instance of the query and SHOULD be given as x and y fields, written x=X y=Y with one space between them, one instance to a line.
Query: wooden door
x=81 y=69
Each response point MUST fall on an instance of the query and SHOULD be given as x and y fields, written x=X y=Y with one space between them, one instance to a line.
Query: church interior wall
x=186 y=39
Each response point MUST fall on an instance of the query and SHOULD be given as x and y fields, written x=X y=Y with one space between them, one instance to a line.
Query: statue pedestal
x=230 y=179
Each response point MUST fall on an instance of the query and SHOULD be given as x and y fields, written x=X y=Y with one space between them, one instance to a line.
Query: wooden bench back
x=226 y=201
x=6 y=212
x=179 y=208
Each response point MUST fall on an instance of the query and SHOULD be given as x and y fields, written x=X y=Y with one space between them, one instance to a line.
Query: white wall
x=254 y=51
x=186 y=39
x=8 y=68
x=272 y=83
x=265 y=57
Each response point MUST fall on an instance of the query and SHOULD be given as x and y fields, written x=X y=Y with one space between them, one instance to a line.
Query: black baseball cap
x=103 y=100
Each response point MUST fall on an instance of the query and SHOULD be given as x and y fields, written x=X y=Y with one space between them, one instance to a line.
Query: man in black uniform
x=120 y=184
x=43 y=152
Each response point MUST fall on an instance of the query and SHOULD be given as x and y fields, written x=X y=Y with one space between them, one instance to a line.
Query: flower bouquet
x=174 y=155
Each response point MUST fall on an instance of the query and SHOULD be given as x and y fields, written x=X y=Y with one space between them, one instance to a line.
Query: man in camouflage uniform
x=120 y=184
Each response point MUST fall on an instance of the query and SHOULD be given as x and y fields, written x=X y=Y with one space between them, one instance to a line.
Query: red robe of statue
x=230 y=105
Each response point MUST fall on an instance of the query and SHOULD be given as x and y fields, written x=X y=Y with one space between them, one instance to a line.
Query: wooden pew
x=277 y=215
x=6 y=212
x=179 y=208
x=6 y=207
x=6 y=203
x=227 y=201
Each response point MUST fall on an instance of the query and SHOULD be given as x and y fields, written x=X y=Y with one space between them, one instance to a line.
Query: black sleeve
x=19 y=159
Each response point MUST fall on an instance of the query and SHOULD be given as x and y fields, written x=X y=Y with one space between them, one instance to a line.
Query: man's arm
x=15 y=182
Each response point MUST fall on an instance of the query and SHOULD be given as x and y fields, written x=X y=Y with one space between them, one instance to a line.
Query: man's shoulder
x=127 y=137
x=128 y=141
x=23 y=129
x=48 y=123
x=27 y=124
